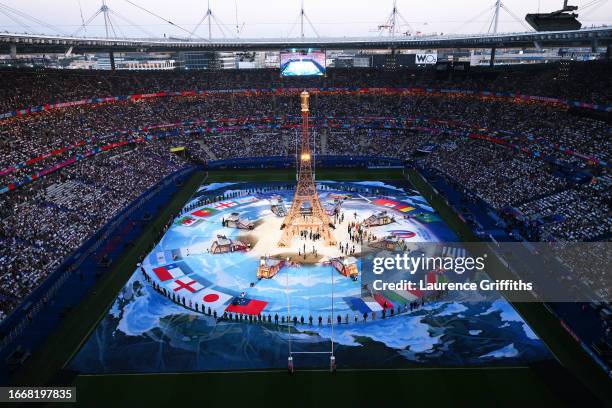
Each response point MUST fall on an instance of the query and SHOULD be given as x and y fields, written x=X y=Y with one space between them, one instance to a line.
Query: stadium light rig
x=560 y=20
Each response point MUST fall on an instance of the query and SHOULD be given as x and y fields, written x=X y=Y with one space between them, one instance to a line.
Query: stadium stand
x=31 y=87
x=541 y=166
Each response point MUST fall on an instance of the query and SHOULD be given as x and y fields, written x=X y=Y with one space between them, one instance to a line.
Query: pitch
x=196 y=302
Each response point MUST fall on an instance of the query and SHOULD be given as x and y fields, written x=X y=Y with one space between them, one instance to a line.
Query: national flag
x=246 y=200
x=246 y=306
x=214 y=299
x=404 y=208
x=386 y=203
x=221 y=205
x=204 y=212
x=432 y=277
x=372 y=304
x=405 y=295
x=186 y=221
x=383 y=301
x=396 y=297
x=185 y=284
x=168 y=272
x=161 y=258
x=362 y=306
x=357 y=304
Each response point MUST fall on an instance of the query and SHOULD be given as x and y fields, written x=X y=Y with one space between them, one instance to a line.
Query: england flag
x=186 y=284
x=221 y=205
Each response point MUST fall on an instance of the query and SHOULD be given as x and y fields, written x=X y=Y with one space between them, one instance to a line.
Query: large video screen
x=302 y=63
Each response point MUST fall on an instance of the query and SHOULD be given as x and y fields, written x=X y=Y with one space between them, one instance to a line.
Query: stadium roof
x=32 y=43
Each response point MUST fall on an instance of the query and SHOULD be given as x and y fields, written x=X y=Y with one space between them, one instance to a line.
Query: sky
x=280 y=18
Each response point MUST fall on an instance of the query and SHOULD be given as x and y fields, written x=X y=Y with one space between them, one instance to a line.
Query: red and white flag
x=224 y=204
x=212 y=298
x=386 y=203
x=186 y=284
x=247 y=306
x=165 y=273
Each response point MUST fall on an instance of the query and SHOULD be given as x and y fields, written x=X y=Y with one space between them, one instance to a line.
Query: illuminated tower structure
x=306 y=213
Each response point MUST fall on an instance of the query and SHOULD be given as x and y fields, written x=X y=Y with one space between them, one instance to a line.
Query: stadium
x=339 y=215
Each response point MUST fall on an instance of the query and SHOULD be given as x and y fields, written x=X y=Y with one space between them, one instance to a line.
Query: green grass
x=439 y=387
x=360 y=388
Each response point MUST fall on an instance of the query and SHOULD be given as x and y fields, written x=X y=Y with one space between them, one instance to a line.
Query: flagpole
x=288 y=310
x=332 y=298
x=332 y=358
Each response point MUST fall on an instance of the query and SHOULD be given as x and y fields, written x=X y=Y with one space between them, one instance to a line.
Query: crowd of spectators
x=580 y=213
x=498 y=176
x=45 y=220
x=533 y=126
x=573 y=80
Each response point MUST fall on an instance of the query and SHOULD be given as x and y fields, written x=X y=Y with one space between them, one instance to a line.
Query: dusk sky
x=277 y=18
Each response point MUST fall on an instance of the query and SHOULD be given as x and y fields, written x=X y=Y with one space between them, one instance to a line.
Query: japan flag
x=214 y=299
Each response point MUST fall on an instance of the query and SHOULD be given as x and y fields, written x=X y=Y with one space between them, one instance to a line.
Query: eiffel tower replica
x=306 y=212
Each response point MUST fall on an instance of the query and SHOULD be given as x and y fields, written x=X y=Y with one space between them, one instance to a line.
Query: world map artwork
x=216 y=293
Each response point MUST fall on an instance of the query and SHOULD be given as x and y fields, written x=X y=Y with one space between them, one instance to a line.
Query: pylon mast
x=306 y=212
x=393 y=22
x=496 y=16
x=302 y=20
x=209 y=15
x=104 y=10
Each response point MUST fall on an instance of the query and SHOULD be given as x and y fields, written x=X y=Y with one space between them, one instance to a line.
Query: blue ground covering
x=147 y=332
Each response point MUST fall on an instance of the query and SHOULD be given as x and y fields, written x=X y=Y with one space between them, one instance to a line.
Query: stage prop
x=306 y=212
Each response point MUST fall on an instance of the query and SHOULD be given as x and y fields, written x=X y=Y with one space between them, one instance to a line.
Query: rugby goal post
x=289 y=323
